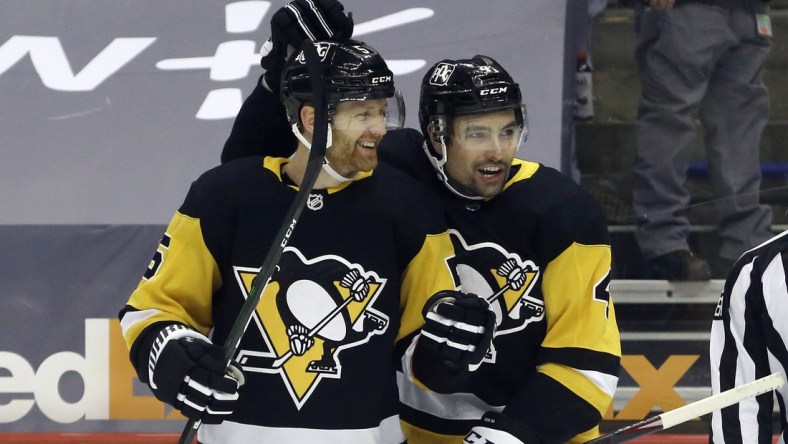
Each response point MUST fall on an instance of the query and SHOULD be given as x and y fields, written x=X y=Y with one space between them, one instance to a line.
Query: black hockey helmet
x=467 y=86
x=352 y=71
x=453 y=88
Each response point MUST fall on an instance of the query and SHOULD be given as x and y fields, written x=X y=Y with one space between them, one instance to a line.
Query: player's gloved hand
x=458 y=327
x=297 y=21
x=186 y=371
x=499 y=429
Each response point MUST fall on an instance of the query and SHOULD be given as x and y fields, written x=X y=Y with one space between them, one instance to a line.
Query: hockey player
x=530 y=242
x=749 y=341
x=345 y=303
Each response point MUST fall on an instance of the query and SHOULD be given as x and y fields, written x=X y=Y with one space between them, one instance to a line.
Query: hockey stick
x=313 y=167
x=314 y=330
x=693 y=410
x=512 y=279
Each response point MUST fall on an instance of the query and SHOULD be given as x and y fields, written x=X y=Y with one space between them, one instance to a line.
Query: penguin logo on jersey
x=308 y=313
x=504 y=279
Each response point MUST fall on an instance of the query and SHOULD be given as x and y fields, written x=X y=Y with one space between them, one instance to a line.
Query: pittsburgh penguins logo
x=441 y=74
x=321 y=49
x=308 y=313
x=504 y=279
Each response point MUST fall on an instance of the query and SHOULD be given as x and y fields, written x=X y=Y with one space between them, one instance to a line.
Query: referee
x=748 y=341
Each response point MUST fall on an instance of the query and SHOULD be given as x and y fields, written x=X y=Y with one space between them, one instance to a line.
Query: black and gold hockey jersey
x=749 y=340
x=539 y=252
x=356 y=272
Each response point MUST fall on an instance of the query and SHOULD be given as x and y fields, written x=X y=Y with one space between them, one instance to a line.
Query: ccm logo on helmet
x=487 y=92
x=381 y=79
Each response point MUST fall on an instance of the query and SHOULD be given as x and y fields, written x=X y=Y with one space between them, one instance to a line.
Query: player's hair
x=352 y=71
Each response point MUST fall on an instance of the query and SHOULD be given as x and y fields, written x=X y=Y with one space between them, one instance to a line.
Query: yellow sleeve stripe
x=577 y=316
x=426 y=274
x=586 y=436
x=580 y=385
x=181 y=290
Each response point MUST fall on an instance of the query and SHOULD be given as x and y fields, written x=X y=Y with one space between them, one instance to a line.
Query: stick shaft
x=693 y=410
x=722 y=400
x=282 y=359
x=313 y=168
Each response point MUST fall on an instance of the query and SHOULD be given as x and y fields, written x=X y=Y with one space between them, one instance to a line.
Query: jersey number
x=602 y=293
x=158 y=257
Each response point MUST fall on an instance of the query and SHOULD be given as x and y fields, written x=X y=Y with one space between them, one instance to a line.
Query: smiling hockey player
x=346 y=304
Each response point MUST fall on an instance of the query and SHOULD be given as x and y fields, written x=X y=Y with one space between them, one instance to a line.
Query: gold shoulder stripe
x=274 y=164
x=526 y=170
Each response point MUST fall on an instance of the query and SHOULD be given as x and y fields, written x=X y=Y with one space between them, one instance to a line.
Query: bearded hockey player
x=530 y=242
x=346 y=304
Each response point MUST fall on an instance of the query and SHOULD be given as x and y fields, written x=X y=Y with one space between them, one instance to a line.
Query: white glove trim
x=236 y=374
x=478 y=329
x=205 y=390
x=169 y=333
x=442 y=340
x=223 y=396
x=297 y=14
x=484 y=435
x=218 y=412
x=320 y=18
x=181 y=397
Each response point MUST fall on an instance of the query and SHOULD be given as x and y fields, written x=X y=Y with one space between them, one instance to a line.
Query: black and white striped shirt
x=748 y=341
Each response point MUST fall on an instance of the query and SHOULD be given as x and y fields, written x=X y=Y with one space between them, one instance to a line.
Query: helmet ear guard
x=438 y=125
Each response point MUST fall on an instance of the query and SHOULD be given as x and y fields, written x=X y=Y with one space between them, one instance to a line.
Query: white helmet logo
x=440 y=76
x=487 y=92
x=322 y=50
x=488 y=69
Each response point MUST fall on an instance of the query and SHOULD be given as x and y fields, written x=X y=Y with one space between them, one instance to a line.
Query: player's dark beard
x=471 y=188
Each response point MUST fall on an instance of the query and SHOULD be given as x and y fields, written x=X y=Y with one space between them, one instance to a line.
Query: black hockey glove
x=495 y=428
x=186 y=371
x=458 y=328
x=297 y=21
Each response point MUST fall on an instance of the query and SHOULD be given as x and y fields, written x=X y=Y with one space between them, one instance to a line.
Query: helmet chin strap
x=326 y=167
x=438 y=164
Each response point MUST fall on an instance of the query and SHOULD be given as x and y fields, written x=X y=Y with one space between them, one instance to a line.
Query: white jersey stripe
x=776 y=296
x=228 y=432
x=607 y=383
x=130 y=318
x=456 y=406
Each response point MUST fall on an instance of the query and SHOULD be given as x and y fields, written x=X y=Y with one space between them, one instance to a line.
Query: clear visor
x=491 y=131
x=372 y=115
